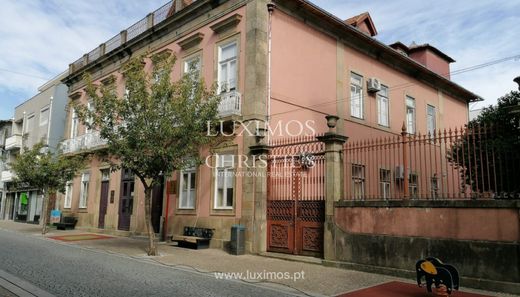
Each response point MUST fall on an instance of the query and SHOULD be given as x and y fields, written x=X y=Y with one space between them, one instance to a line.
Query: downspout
x=49 y=121
x=270 y=8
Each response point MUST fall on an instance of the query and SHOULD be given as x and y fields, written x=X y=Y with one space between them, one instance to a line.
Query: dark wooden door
x=126 y=200
x=295 y=208
x=103 y=203
x=157 y=203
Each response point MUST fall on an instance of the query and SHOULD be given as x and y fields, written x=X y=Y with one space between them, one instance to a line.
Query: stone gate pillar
x=334 y=174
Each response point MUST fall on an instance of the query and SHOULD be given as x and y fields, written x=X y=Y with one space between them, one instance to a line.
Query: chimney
x=432 y=58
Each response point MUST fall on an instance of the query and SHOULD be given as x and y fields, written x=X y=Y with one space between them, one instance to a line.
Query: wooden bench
x=66 y=223
x=194 y=238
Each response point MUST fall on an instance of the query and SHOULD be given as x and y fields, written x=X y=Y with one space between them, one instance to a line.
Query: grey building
x=39 y=119
x=5 y=131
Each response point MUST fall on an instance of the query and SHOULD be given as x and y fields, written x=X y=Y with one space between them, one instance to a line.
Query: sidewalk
x=307 y=278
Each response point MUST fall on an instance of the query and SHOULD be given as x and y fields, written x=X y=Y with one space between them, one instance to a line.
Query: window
x=30 y=123
x=224 y=182
x=192 y=66
x=434 y=186
x=358 y=181
x=382 y=107
x=227 y=67
x=44 y=116
x=384 y=183
x=83 y=195
x=356 y=96
x=410 y=115
x=430 y=119
x=412 y=185
x=188 y=189
x=90 y=107
x=74 y=124
x=68 y=195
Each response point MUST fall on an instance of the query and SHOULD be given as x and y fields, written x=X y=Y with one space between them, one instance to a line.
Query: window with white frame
x=227 y=67
x=74 y=124
x=30 y=123
x=356 y=96
x=384 y=183
x=192 y=66
x=358 y=181
x=44 y=116
x=187 y=194
x=434 y=187
x=68 y=195
x=90 y=107
x=383 y=107
x=224 y=181
x=83 y=194
x=430 y=119
x=412 y=185
x=410 y=115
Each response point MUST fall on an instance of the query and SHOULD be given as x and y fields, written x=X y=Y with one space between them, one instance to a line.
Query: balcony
x=6 y=176
x=230 y=104
x=87 y=141
x=14 y=142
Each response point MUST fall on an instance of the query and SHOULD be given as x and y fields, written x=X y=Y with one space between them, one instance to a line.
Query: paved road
x=66 y=270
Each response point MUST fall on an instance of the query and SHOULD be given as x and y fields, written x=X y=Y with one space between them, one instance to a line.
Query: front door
x=103 y=200
x=157 y=203
x=126 y=201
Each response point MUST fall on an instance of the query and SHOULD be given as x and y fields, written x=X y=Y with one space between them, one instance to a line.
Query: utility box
x=238 y=240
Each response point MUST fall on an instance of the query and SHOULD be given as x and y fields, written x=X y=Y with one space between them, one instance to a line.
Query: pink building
x=286 y=63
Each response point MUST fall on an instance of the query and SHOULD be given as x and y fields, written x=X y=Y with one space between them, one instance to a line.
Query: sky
x=40 y=38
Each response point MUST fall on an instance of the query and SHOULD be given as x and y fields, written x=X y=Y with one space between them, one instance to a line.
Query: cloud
x=40 y=38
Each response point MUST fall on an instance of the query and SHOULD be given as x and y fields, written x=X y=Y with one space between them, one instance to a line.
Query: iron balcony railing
x=230 y=104
x=152 y=19
x=87 y=141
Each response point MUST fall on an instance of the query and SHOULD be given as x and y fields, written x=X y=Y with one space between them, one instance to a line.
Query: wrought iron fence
x=472 y=162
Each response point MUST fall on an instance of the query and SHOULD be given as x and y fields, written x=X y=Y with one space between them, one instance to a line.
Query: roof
x=381 y=51
x=355 y=21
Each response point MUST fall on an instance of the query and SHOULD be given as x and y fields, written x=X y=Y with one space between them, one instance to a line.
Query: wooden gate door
x=126 y=201
x=157 y=203
x=296 y=202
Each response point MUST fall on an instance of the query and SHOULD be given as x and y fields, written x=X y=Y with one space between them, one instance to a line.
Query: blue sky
x=39 y=38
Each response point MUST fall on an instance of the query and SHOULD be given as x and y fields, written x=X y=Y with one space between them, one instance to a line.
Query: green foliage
x=158 y=126
x=44 y=170
x=488 y=152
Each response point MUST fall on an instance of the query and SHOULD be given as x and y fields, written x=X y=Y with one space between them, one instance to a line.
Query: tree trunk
x=43 y=217
x=152 y=248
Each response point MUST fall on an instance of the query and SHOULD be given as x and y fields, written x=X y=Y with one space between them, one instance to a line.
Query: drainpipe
x=49 y=122
x=270 y=8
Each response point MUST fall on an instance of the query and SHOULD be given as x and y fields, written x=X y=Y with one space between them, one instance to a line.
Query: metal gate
x=296 y=197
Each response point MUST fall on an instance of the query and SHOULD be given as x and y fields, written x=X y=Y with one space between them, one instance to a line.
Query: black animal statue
x=438 y=273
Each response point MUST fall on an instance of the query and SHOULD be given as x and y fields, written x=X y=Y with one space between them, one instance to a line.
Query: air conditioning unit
x=373 y=85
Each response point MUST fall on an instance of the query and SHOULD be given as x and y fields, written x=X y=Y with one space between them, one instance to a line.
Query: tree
x=488 y=150
x=46 y=171
x=158 y=126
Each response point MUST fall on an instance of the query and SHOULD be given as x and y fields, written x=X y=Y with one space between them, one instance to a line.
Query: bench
x=194 y=238
x=66 y=223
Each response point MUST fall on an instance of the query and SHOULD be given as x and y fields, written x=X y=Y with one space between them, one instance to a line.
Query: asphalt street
x=67 y=270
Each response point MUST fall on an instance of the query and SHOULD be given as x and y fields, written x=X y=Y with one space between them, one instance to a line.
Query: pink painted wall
x=304 y=84
x=500 y=224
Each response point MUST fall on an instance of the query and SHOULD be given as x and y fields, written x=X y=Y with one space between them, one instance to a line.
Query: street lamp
x=517 y=80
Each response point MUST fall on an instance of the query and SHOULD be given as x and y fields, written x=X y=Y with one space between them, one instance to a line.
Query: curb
x=20 y=287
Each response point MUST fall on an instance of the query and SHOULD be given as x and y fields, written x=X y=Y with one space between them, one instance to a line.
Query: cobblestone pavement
x=66 y=270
